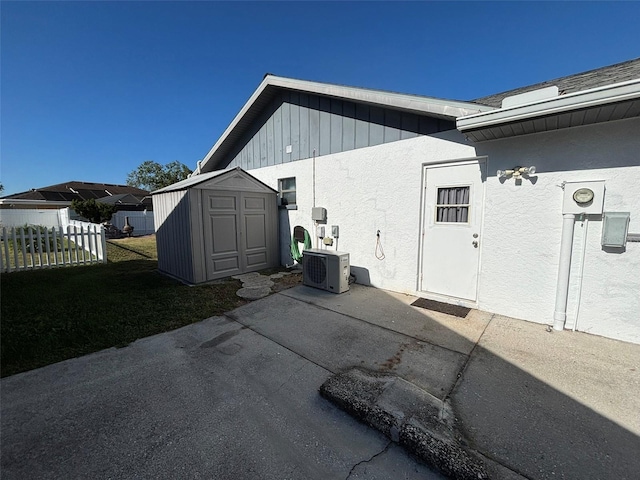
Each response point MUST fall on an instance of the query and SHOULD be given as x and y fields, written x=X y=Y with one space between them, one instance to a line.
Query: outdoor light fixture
x=516 y=172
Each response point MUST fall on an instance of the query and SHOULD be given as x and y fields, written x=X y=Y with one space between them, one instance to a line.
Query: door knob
x=475 y=244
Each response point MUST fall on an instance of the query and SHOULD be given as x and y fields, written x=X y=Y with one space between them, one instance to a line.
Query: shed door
x=238 y=232
x=222 y=233
x=254 y=235
x=453 y=196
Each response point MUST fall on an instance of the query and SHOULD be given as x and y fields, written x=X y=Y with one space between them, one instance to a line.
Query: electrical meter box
x=583 y=197
x=319 y=214
x=615 y=228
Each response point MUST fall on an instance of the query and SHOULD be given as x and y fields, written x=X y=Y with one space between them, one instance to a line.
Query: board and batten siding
x=172 y=218
x=308 y=122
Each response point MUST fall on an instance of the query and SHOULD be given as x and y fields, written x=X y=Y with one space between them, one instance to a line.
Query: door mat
x=447 y=308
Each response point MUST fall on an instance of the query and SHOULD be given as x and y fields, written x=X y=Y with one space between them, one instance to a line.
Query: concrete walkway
x=237 y=396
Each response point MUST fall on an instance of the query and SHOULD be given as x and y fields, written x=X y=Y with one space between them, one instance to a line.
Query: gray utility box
x=326 y=269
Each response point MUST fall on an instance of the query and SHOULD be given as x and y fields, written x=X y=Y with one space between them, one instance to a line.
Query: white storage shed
x=215 y=225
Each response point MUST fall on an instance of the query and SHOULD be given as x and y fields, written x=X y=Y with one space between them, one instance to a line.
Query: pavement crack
x=362 y=462
x=466 y=362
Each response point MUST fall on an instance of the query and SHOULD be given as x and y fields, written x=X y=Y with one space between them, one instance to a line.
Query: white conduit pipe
x=562 y=290
x=585 y=226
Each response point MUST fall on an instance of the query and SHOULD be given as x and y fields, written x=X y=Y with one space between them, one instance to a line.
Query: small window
x=287 y=190
x=452 y=205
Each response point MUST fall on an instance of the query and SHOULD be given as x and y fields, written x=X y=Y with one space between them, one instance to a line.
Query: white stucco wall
x=523 y=225
x=366 y=190
x=378 y=188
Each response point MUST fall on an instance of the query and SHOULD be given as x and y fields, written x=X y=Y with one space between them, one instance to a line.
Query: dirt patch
x=288 y=281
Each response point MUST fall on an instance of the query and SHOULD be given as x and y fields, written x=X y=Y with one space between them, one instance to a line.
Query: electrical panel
x=615 y=227
x=326 y=269
x=319 y=214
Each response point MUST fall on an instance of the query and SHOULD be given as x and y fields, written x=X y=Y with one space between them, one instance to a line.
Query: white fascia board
x=574 y=101
x=29 y=202
x=448 y=108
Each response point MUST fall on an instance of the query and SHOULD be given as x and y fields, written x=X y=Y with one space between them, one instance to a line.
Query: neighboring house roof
x=558 y=104
x=272 y=85
x=599 y=77
x=73 y=190
x=121 y=199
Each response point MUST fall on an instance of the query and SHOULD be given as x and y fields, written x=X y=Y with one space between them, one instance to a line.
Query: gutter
x=594 y=97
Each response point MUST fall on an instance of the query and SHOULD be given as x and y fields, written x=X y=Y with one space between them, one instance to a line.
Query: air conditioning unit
x=326 y=269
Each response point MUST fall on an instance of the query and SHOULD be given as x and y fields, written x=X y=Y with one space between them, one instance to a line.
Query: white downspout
x=562 y=290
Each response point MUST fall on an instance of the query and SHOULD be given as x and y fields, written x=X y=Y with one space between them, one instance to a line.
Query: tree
x=151 y=175
x=93 y=211
x=1 y=188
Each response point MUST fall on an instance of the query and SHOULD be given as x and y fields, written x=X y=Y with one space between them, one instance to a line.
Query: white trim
x=594 y=97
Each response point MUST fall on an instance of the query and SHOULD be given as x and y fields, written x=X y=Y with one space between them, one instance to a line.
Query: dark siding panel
x=428 y=125
x=270 y=147
x=314 y=124
x=286 y=127
x=391 y=126
x=304 y=126
x=362 y=126
x=263 y=146
x=376 y=126
x=277 y=133
x=348 y=126
x=409 y=126
x=325 y=126
x=308 y=122
x=295 y=126
x=336 y=126
x=255 y=144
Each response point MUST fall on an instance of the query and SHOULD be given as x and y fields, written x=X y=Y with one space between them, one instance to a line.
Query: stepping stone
x=259 y=281
x=244 y=276
x=253 y=293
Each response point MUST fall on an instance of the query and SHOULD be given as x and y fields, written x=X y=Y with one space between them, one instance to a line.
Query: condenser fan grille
x=316 y=269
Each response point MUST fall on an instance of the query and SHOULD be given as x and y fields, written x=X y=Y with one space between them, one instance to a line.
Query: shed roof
x=195 y=180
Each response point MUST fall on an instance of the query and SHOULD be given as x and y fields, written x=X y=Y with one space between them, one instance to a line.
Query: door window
x=452 y=204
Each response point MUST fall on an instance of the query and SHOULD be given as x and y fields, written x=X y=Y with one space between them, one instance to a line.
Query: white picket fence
x=78 y=243
x=142 y=222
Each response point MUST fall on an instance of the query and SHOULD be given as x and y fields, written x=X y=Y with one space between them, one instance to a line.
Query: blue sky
x=92 y=89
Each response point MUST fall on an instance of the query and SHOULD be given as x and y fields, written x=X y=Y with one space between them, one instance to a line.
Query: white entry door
x=451 y=236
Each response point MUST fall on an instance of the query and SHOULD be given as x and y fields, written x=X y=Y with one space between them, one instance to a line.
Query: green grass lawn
x=54 y=314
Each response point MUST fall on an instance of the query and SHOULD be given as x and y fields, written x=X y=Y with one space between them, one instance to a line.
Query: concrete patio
x=237 y=396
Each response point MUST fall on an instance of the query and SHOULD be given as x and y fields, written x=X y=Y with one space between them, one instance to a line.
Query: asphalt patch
x=419 y=422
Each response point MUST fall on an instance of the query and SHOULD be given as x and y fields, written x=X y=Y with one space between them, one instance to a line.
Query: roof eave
x=595 y=97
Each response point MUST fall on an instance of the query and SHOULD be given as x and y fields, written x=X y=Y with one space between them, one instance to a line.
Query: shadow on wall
x=285 y=237
x=590 y=147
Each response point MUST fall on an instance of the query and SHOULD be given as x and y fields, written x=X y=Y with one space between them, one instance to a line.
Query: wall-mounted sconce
x=516 y=172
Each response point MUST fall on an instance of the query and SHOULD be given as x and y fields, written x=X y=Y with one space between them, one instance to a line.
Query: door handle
x=475 y=244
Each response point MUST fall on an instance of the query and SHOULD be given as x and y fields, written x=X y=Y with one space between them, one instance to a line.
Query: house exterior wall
x=308 y=122
x=366 y=190
x=379 y=188
x=171 y=215
x=523 y=226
